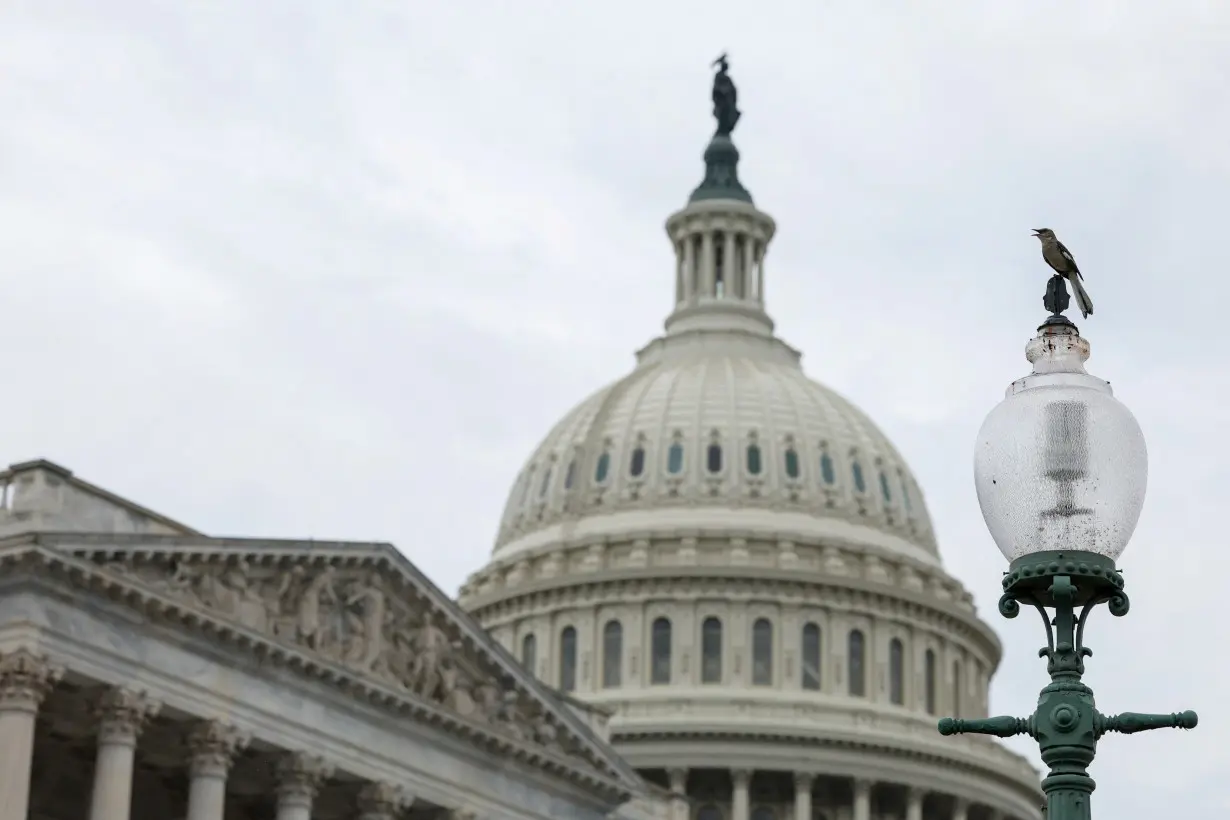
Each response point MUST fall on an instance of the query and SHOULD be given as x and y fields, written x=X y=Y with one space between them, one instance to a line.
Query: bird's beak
x=1035 y=232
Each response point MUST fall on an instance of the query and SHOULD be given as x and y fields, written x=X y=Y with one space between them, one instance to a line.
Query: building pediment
x=357 y=615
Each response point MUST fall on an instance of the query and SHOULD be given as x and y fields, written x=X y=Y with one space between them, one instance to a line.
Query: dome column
x=802 y=795
x=914 y=803
x=740 y=803
x=679 y=793
x=862 y=799
x=960 y=809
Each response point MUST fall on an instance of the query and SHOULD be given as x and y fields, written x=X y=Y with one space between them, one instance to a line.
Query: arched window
x=713 y=458
x=753 y=459
x=929 y=681
x=612 y=654
x=660 y=645
x=674 y=459
x=764 y=813
x=602 y=468
x=884 y=490
x=637 y=466
x=896 y=672
x=792 y=463
x=811 y=657
x=546 y=483
x=709 y=812
x=826 y=469
x=529 y=654
x=956 y=689
x=711 y=651
x=858 y=670
x=568 y=659
x=762 y=652
x=570 y=475
x=860 y=483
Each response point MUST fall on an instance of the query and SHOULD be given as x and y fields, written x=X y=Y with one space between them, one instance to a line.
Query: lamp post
x=1060 y=468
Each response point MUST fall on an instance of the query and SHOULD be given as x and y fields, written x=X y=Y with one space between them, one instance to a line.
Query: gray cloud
x=299 y=269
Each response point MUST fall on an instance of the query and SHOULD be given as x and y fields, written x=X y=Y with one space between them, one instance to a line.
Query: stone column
x=122 y=714
x=679 y=793
x=299 y=778
x=749 y=268
x=707 y=287
x=741 y=800
x=25 y=680
x=690 y=279
x=384 y=801
x=802 y=795
x=862 y=800
x=730 y=268
x=914 y=803
x=960 y=809
x=213 y=746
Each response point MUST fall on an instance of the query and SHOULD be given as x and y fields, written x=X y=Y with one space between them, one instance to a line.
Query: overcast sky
x=331 y=269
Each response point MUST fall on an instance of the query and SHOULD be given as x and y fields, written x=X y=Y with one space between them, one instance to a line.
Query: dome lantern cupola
x=720 y=237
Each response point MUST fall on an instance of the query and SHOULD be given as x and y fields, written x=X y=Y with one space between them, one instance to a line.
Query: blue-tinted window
x=713 y=458
x=860 y=483
x=612 y=654
x=603 y=467
x=826 y=469
x=570 y=475
x=529 y=654
x=811 y=657
x=792 y=463
x=674 y=459
x=896 y=672
x=660 y=646
x=568 y=659
x=753 y=459
x=638 y=462
x=858 y=670
x=884 y=490
x=711 y=651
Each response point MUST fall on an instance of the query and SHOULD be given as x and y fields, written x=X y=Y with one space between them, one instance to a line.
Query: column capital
x=916 y=794
x=122 y=713
x=803 y=781
x=383 y=801
x=741 y=777
x=678 y=777
x=862 y=785
x=960 y=808
x=213 y=745
x=25 y=679
x=300 y=776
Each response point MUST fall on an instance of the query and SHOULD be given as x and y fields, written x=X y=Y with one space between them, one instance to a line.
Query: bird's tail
x=1082 y=298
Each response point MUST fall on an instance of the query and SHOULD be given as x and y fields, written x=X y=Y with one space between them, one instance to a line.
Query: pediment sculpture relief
x=350 y=616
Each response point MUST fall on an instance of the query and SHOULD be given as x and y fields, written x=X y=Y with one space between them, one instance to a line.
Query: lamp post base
x=1066 y=723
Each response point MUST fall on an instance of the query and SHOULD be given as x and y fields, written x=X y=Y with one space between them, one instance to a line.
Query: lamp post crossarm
x=1001 y=726
x=1129 y=723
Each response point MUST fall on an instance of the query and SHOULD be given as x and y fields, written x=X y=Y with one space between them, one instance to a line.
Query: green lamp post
x=1060 y=468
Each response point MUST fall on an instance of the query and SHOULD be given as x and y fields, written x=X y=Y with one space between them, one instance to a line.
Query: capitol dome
x=736 y=564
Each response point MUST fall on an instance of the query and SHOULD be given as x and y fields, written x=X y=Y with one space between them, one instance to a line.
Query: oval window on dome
x=826 y=469
x=637 y=466
x=884 y=490
x=753 y=459
x=792 y=463
x=674 y=459
x=713 y=458
x=602 y=468
x=570 y=475
x=860 y=483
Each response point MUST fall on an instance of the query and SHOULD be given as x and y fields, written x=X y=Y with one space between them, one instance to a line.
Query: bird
x=1060 y=259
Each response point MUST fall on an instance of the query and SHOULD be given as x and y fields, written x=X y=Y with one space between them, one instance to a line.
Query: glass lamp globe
x=1060 y=464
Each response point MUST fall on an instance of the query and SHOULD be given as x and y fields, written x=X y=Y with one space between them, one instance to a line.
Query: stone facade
x=146 y=674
